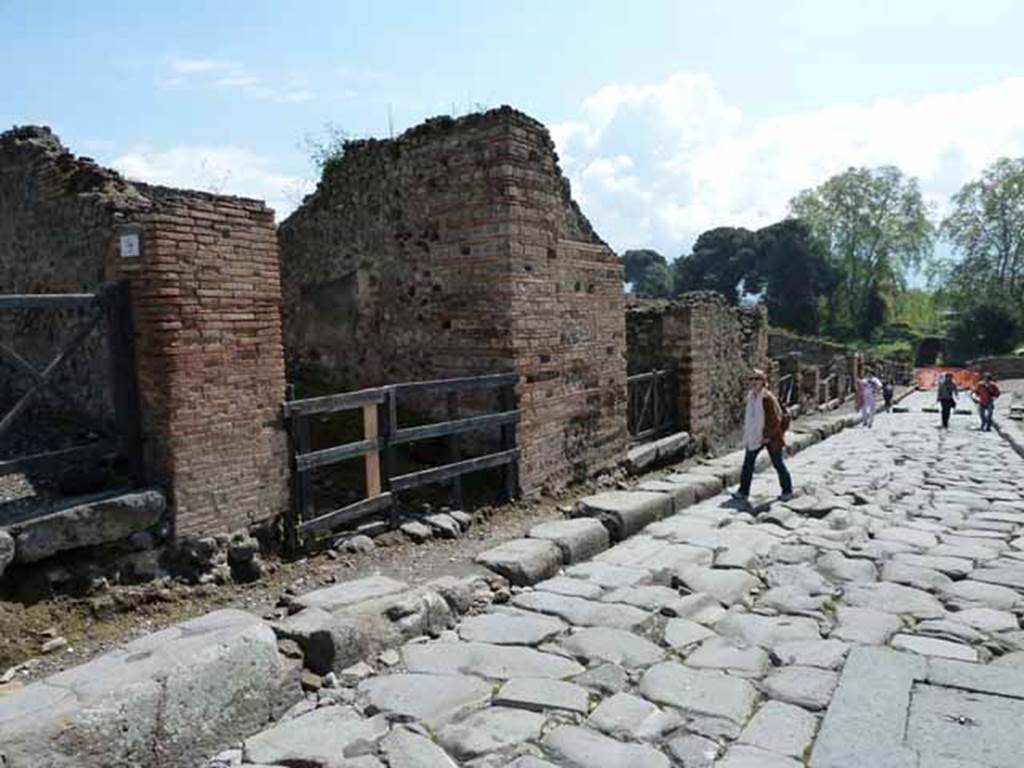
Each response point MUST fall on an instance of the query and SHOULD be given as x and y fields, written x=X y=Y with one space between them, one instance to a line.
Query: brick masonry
x=206 y=303
x=711 y=346
x=456 y=249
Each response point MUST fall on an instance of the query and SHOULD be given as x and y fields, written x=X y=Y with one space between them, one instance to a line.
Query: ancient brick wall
x=812 y=351
x=712 y=347
x=456 y=249
x=206 y=304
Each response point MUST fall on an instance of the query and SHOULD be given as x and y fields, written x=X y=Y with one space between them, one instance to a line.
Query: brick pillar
x=206 y=298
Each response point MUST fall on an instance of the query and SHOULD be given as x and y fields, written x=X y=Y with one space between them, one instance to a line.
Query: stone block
x=523 y=561
x=327 y=737
x=625 y=512
x=350 y=593
x=578 y=539
x=86 y=525
x=167 y=699
x=329 y=642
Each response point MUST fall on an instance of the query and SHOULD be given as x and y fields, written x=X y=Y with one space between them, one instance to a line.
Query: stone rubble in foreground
x=873 y=621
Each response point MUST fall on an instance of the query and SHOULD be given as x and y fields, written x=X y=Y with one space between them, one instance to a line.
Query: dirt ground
x=95 y=623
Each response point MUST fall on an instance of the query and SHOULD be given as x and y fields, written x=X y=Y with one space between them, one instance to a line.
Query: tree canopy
x=649 y=273
x=874 y=228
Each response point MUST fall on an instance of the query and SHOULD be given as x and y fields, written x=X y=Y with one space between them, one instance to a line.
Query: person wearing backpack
x=764 y=426
x=946 y=397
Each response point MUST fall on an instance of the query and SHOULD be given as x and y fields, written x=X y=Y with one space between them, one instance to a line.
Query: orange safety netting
x=927 y=377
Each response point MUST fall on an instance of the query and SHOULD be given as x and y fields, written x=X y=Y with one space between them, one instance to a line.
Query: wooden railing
x=651 y=404
x=382 y=435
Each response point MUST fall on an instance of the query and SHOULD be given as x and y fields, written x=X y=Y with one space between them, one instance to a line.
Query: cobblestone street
x=872 y=621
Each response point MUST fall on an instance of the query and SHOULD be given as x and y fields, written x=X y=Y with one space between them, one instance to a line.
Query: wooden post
x=508 y=442
x=389 y=423
x=370 y=431
x=454 y=449
x=124 y=385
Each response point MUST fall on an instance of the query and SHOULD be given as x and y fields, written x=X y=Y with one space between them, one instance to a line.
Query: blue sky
x=671 y=117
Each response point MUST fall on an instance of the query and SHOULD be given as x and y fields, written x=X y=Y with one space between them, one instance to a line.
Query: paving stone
x=682 y=495
x=634 y=552
x=583 y=613
x=523 y=561
x=808 y=687
x=578 y=539
x=917 y=538
x=501 y=662
x=564 y=585
x=510 y=629
x=694 y=751
x=946 y=629
x=1012 y=577
x=433 y=699
x=609 y=576
x=329 y=642
x=766 y=631
x=1013 y=659
x=624 y=716
x=791 y=600
x=577 y=747
x=894 y=598
x=955 y=567
x=741 y=756
x=700 y=607
x=839 y=569
x=417 y=531
x=987 y=619
x=350 y=593
x=737 y=557
x=651 y=598
x=405 y=749
x=728 y=587
x=325 y=737
x=489 y=730
x=540 y=694
x=699 y=692
x=613 y=645
x=780 y=728
x=930 y=646
x=793 y=554
x=528 y=761
x=625 y=512
x=914 y=576
x=826 y=654
x=720 y=653
x=990 y=595
x=973 y=552
x=802 y=576
x=682 y=633
x=605 y=678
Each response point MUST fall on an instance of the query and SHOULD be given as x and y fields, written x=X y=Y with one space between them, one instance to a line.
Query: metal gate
x=106 y=311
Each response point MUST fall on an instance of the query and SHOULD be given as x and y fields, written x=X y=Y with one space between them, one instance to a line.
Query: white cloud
x=222 y=169
x=186 y=66
x=223 y=73
x=655 y=165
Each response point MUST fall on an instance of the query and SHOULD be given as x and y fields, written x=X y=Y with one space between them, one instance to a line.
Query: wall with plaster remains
x=206 y=305
x=456 y=249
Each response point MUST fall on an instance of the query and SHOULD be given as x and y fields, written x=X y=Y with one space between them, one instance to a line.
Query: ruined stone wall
x=1007 y=367
x=812 y=351
x=455 y=249
x=712 y=347
x=57 y=218
x=206 y=304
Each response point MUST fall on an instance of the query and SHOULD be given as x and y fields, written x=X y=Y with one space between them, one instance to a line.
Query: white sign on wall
x=129 y=245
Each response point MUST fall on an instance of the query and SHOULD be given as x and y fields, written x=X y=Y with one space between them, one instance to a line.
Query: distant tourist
x=764 y=426
x=870 y=388
x=985 y=395
x=887 y=393
x=946 y=396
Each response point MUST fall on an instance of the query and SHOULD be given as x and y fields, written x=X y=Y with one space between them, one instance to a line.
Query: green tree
x=648 y=272
x=722 y=259
x=874 y=227
x=989 y=328
x=986 y=228
x=794 y=273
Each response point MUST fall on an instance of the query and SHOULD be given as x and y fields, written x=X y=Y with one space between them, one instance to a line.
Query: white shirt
x=753 y=421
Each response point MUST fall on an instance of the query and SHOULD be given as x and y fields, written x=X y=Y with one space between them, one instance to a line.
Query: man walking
x=985 y=395
x=764 y=426
x=946 y=397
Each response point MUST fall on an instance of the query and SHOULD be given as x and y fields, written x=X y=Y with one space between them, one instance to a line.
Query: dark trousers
x=986 y=410
x=947 y=408
x=747 y=475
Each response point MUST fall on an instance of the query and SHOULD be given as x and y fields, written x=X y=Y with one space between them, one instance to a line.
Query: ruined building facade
x=456 y=249
x=205 y=295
